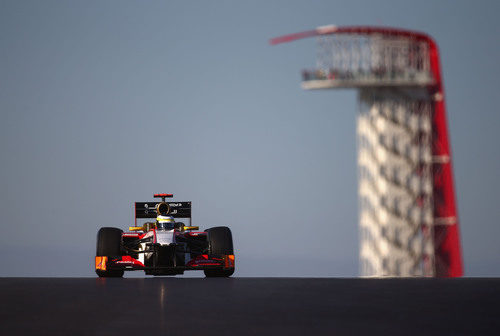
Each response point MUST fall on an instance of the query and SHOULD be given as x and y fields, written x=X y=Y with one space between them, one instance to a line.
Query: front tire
x=220 y=242
x=109 y=241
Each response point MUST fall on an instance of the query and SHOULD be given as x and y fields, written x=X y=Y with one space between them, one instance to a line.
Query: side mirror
x=145 y=228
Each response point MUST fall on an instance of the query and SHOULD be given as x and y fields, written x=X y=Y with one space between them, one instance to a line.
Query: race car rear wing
x=148 y=210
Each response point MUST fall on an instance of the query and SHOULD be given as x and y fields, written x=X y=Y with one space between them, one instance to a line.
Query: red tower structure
x=396 y=69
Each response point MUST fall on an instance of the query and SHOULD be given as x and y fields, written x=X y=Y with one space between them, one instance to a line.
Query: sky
x=104 y=103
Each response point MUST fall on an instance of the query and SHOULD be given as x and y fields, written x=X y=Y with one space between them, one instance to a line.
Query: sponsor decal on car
x=201 y=262
x=229 y=261
x=100 y=263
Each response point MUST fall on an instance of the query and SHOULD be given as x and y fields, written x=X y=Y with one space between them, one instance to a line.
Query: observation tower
x=408 y=219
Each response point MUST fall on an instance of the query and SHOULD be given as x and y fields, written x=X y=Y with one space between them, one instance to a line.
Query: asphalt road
x=249 y=306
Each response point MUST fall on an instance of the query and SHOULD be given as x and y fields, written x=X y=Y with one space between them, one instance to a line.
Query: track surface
x=249 y=306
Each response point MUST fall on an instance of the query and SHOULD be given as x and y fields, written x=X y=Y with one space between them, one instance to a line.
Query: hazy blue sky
x=104 y=103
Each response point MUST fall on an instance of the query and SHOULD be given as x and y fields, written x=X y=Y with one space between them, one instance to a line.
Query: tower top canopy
x=364 y=56
x=354 y=30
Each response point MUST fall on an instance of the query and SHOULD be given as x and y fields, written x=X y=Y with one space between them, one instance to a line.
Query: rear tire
x=109 y=241
x=220 y=242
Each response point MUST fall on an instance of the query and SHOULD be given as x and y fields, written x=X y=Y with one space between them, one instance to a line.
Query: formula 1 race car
x=164 y=246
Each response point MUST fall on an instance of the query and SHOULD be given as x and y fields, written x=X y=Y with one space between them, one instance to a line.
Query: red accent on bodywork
x=164 y=195
x=131 y=234
x=127 y=260
x=195 y=234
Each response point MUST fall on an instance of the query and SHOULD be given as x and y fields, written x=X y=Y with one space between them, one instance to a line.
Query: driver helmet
x=165 y=222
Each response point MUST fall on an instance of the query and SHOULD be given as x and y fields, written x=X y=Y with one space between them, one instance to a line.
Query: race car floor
x=249 y=306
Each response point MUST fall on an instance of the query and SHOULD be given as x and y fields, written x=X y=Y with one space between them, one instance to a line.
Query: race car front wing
x=128 y=263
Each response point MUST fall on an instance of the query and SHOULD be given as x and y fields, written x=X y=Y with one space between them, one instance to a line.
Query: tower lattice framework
x=407 y=215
